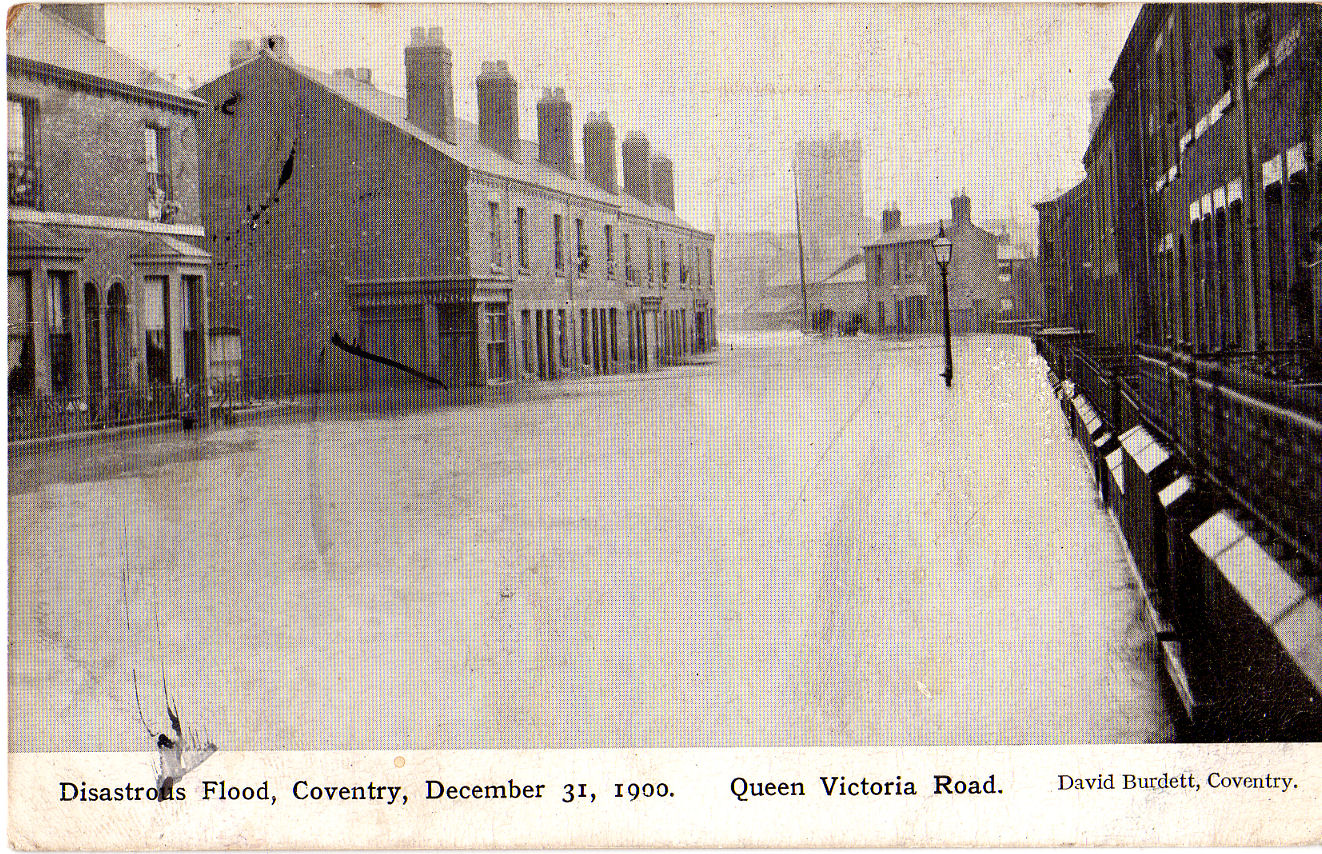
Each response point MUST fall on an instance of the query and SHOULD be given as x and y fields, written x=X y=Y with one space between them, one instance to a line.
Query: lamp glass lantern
x=941 y=246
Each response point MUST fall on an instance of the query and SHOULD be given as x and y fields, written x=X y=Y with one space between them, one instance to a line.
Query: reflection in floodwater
x=801 y=542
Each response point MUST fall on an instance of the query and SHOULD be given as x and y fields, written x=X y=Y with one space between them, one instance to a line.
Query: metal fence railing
x=233 y=394
x=1249 y=422
x=44 y=415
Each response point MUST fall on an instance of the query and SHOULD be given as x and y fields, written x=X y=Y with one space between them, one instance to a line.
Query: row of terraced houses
x=1183 y=277
x=171 y=251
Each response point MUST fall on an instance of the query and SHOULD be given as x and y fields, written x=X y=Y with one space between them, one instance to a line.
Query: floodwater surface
x=799 y=542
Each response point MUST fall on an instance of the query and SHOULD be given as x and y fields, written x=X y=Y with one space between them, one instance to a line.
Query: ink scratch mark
x=373 y=357
x=228 y=107
x=286 y=172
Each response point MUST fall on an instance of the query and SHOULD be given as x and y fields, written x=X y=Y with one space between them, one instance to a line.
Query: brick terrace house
x=458 y=248
x=107 y=291
x=904 y=285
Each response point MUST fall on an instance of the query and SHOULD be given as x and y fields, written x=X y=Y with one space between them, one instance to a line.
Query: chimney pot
x=240 y=51
x=430 y=91
x=559 y=93
x=277 y=45
x=636 y=155
x=498 y=109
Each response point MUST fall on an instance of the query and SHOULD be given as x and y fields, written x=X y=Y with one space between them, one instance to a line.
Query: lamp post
x=941 y=247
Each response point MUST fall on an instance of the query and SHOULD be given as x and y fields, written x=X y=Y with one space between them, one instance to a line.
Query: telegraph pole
x=798 y=226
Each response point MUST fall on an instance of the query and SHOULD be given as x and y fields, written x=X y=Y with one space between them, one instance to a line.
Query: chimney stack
x=890 y=218
x=88 y=17
x=1098 y=99
x=277 y=46
x=363 y=75
x=960 y=209
x=555 y=141
x=240 y=51
x=498 y=109
x=663 y=181
x=599 y=151
x=430 y=90
x=637 y=156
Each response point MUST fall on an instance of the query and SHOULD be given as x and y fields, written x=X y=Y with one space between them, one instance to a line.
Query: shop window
x=497 y=317
x=525 y=331
x=584 y=327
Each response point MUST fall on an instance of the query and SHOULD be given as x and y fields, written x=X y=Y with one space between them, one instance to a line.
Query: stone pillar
x=40 y=329
x=175 y=319
x=77 y=334
x=202 y=329
x=553 y=342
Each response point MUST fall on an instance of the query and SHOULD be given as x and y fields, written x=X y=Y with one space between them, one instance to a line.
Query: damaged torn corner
x=179 y=754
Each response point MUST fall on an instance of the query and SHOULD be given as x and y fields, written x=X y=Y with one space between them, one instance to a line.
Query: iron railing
x=1249 y=422
x=234 y=394
x=41 y=416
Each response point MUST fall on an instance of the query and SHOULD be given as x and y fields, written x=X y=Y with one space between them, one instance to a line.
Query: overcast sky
x=992 y=98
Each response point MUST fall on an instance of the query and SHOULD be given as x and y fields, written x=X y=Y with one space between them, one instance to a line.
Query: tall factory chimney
x=961 y=209
x=599 y=151
x=498 y=109
x=430 y=89
x=555 y=142
x=663 y=181
x=636 y=153
x=241 y=51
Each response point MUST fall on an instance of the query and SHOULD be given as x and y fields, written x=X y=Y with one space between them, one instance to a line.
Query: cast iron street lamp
x=941 y=247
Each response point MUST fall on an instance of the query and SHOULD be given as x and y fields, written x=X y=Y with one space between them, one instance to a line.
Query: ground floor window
x=20 y=334
x=584 y=327
x=529 y=360
x=497 y=342
x=59 y=322
x=564 y=339
x=615 y=342
x=156 y=327
x=226 y=352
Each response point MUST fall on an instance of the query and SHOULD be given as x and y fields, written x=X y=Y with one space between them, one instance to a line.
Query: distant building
x=107 y=287
x=904 y=285
x=830 y=187
x=460 y=249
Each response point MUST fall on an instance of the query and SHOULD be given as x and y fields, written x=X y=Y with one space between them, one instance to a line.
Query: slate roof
x=39 y=36
x=851 y=271
x=467 y=149
x=924 y=231
x=36 y=238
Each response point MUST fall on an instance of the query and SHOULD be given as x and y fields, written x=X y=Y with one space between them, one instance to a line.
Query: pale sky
x=992 y=98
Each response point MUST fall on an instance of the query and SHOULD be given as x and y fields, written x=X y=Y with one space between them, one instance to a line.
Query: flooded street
x=802 y=542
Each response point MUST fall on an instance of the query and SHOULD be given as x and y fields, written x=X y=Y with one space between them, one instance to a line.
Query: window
x=498 y=362
x=494 y=235
x=1238 y=285
x=582 y=245
x=522 y=237
x=1301 y=294
x=226 y=352
x=58 y=287
x=1259 y=24
x=665 y=266
x=1276 y=261
x=564 y=339
x=587 y=347
x=20 y=334
x=156 y=326
x=559 y=243
x=160 y=197
x=649 y=257
x=615 y=343
x=192 y=287
x=628 y=260
x=23 y=187
x=610 y=250
x=526 y=330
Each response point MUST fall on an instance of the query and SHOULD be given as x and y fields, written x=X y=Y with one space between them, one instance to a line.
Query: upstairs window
x=521 y=236
x=665 y=265
x=628 y=260
x=582 y=245
x=160 y=195
x=649 y=257
x=610 y=250
x=22 y=153
x=556 y=228
x=494 y=235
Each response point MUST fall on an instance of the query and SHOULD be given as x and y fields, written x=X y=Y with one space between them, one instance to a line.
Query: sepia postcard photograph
x=519 y=425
